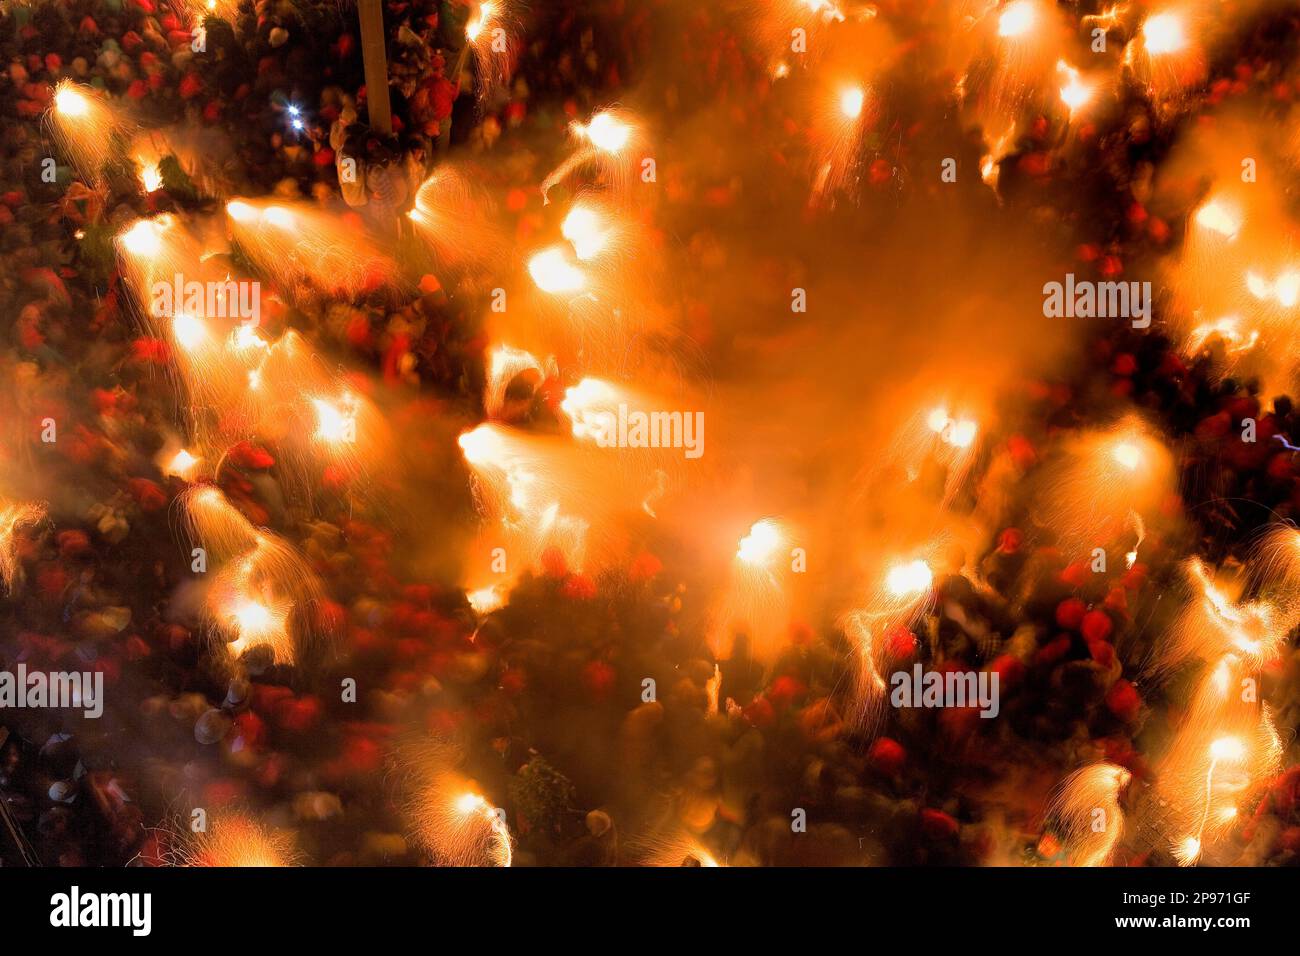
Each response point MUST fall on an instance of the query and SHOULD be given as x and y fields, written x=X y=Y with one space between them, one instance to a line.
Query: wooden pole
x=376 y=60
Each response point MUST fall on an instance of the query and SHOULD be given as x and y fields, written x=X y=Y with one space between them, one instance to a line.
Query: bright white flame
x=1219 y=217
x=253 y=618
x=143 y=239
x=189 y=330
x=583 y=228
x=761 y=543
x=1075 y=93
x=554 y=273
x=1188 y=851
x=608 y=133
x=279 y=216
x=482 y=446
x=336 y=422
x=914 y=577
x=485 y=600
x=956 y=432
x=71 y=102
x=852 y=99
x=150 y=178
x=1127 y=454
x=962 y=434
x=1227 y=748
x=475 y=26
x=241 y=211
x=1017 y=19
x=1163 y=33
x=182 y=464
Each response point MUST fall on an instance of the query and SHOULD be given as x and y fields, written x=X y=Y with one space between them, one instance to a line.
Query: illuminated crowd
x=375 y=572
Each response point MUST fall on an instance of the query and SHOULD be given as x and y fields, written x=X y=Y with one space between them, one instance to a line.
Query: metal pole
x=376 y=61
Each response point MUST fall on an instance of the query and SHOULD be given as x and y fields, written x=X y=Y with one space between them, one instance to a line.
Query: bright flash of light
x=182 y=465
x=1127 y=454
x=1188 y=851
x=825 y=8
x=608 y=141
x=755 y=601
x=479 y=20
x=1164 y=33
x=86 y=127
x=760 y=545
x=336 y=422
x=486 y=600
x=70 y=101
x=483 y=446
x=1227 y=748
x=586 y=231
x=475 y=807
x=851 y=101
x=589 y=406
x=250 y=601
x=190 y=332
x=554 y=273
x=488 y=32
x=607 y=132
x=151 y=178
x=909 y=579
x=254 y=619
x=1017 y=19
x=144 y=239
x=1284 y=290
x=242 y=212
x=279 y=217
x=1075 y=93
x=1225 y=745
x=1221 y=217
x=957 y=432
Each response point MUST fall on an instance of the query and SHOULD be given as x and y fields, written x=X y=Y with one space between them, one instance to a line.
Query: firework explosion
x=759 y=433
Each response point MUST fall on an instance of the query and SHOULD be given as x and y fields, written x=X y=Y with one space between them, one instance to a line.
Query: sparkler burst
x=88 y=127
x=233 y=840
x=14 y=516
x=1088 y=811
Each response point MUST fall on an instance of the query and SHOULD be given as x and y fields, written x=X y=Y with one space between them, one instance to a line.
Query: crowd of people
x=543 y=696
